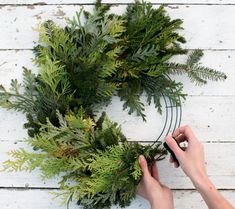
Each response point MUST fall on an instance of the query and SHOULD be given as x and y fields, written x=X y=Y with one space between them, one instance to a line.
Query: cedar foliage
x=81 y=67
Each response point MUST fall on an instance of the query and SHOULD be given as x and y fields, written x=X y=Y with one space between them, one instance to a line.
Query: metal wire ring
x=171 y=122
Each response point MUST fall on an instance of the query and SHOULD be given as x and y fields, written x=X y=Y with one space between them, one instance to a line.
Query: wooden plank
x=191 y=199
x=11 y=62
x=28 y=199
x=42 y=199
x=202 y=29
x=217 y=155
x=4 y=2
x=219 y=60
x=212 y=118
x=11 y=126
x=218 y=158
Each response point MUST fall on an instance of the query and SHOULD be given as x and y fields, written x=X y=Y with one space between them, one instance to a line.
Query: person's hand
x=191 y=159
x=159 y=196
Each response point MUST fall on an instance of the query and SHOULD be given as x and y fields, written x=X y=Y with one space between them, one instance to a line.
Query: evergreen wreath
x=81 y=67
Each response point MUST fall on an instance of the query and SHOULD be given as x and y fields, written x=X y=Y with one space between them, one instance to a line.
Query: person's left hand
x=159 y=196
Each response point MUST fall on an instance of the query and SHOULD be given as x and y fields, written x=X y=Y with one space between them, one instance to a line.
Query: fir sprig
x=15 y=98
x=196 y=73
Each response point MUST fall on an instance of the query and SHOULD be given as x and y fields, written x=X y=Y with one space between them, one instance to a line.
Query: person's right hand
x=192 y=162
x=190 y=159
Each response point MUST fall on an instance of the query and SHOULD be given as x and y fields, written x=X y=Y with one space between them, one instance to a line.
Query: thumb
x=174 y=146
x=143 y=165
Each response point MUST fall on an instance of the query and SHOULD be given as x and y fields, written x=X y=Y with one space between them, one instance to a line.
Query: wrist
x=159 y=203
x=155 y=207
x=155 y=204
x=201 y=181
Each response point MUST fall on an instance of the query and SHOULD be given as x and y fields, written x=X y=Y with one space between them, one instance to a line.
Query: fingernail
x=141 y=158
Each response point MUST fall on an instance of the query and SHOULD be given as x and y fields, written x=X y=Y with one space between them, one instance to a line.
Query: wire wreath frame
x=170 y=118
x=172 y=121
x=173 y=117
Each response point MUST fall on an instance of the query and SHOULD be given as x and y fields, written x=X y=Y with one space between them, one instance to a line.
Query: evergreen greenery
x=81 y=67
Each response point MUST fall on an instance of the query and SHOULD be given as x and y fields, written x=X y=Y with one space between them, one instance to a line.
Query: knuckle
x=166 y=188
x=187 y=127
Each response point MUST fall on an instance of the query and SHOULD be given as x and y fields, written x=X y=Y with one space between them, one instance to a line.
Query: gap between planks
x=150 y=142
x=30 y=188
x=57 y=188
x=116 y=4
x=189 y=49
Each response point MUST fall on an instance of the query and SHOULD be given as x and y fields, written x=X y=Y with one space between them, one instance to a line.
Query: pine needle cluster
x=81 y=67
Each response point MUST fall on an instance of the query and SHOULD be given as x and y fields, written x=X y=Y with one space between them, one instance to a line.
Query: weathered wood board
x=41 y=199
x=202 y=29
x=218 y=155
x=43 y=2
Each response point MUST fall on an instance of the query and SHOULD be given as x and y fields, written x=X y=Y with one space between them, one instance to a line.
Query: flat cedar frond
x=23 y=160
x=81 y=66
x=55 y=78
x=110 y=175
x=20 y=97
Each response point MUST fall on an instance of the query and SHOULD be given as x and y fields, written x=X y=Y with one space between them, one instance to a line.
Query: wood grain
x=206 y=2
x=42 y=199
x=12 y=61
x=212 y=118
x=202 y=29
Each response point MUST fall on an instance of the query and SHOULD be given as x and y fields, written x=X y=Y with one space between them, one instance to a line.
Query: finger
x=155 y=171
x=171 y=159
x=181 y=138
x=143 y=165
x=185 y=130
x=176 y=165
x=173 y=146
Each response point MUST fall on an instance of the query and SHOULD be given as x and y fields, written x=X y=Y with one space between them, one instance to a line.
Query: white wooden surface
x=210 y=110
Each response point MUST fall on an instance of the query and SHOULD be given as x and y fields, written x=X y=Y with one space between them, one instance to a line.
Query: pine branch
x=195 y=71
x=205 y=74
x=194 y=57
